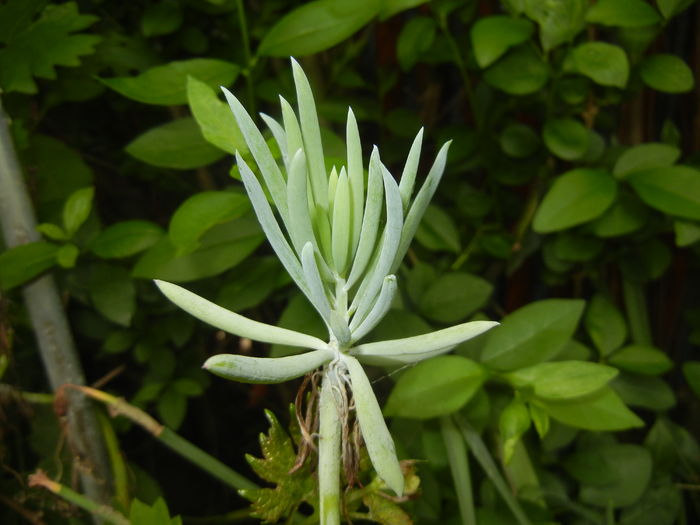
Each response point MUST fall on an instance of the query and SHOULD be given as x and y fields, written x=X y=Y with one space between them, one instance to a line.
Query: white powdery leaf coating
x=378 y=440
x=265 y=370
x=234 y=323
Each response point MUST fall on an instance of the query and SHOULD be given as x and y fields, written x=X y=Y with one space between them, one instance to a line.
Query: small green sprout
x=342 y=243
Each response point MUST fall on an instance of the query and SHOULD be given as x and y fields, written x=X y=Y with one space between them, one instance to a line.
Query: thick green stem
x=103 y=512
x=459 y=466
x=329 y=452
x=637 y=316
x=54 y=338
x=166 y=436
x=483 y=456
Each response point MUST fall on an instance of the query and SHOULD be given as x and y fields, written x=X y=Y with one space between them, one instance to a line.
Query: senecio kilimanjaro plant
x=342 y=245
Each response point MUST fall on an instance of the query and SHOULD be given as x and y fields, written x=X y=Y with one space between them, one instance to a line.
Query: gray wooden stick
x=51 y=328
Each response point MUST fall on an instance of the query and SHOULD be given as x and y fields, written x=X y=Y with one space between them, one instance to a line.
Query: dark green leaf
x=687 y=233
x=603 y=411
x=454 y=296
x=648 y=392
x=437 y=231
x=559 y=20
x=674 y=190
x=299 y=316
x=52 y=231
x=573 y=247
x=563 y=379
x=627 y=474
x=220 y=249
x=67 y=255
x=162 y=18
x=113 y=293
x=201 y=212
x=622 y=13
x=251 y=284
x=167 y=84
x=22 y=263
x=126 y=238
x=48 y=42
x=415 y=39
x=520 y=72
x=172 y=407
x=604 y=63
x=660 y=505
x=691 y=371
x=390 y=8
x=641 y=360
x=605 y=324
x=667 y=73
x=316 y=26
x=673 y=446
x=178 y=144
x=532 y=334
x=519 y=141
x=492 y=36
x=77 y=209
x=670 y=8
x=214 y=117
x=626 y=215
x=576 y=197
x=435 y=387
x=143 y=514
x=644 y=157
x=567 y=138
x=512 y=424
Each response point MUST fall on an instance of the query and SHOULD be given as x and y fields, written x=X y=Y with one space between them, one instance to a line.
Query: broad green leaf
x=667 y=73
x=178 y=145
x=520 y=72
x=661 y=504
x=52 y=231
x=605 y=324
x=519 y=141
x=299 y=315
x=220 y=249
x=671 y=444
x=22 y=263
x=628 y=473
x=266 y=369
x=125 y=239
x=652 y=393
x=563 y=379
x=532 y=334
x=626 y=215
x=49 y=41
x=570 y=246
x=172 y=407
x=67 y=255
x=687 y=233
x=567 y=138
x=16 y=15
x=113 y=293
x=437 y=231
x=216 y=122
x=316 y=26
x=641 y=360
x=166 y=85
x=435 y=387
x=255 y=280
x=604 y=63
x=559 y=20
x=576 y=197
x=512 y=424
x=416 y=37
x=141 y=513
x=454 y=296
x=623 y=13
x=644 y=157
x=691 y=371
x=674 y=190
x=492 y=36
x=670 y=8
x=604 y=411
x=77 y=209
x=161 y=18
x=201 y=212
x=390 y=8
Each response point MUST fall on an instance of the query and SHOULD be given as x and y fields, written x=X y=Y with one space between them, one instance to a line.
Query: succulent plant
x=341 y=242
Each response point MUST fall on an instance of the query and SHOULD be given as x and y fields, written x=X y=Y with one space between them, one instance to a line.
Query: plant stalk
x=329 y=453
x=459 y=466
x=637 y=315
x=56 y=346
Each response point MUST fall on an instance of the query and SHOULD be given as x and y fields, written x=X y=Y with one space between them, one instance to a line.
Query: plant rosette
x=342 y=244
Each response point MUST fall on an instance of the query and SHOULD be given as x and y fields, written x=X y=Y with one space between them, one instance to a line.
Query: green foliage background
x=570 y=210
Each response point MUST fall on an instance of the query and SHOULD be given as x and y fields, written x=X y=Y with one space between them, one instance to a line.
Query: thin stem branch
x=637 y=315
x=459 y=466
